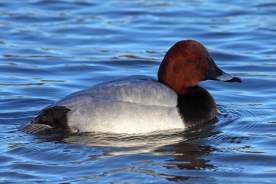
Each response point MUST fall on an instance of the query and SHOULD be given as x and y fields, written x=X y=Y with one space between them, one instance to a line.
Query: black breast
x=197 y=107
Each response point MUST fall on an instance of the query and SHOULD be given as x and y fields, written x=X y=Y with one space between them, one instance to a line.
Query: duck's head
x=188 y=62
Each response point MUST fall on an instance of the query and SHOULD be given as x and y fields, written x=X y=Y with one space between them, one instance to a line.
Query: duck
x=140 y=104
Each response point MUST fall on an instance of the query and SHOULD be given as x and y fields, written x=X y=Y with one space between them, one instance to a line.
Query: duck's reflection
x=190 y=155
x=178 y=150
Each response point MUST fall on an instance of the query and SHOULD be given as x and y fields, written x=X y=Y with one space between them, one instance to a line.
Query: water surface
x=49 y=49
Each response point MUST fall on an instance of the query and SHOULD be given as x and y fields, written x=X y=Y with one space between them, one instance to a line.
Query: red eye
x=194 y=57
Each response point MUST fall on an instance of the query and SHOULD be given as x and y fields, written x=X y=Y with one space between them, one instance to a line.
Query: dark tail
x=53 y=118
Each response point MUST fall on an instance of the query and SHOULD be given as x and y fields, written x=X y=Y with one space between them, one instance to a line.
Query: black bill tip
x=234 y=79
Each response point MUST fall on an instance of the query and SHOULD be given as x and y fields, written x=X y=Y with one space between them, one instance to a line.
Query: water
x=52 y=48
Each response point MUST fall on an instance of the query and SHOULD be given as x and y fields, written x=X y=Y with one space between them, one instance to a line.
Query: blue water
x=49 y=49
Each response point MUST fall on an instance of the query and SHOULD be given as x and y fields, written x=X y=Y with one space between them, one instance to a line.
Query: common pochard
x=141 y=104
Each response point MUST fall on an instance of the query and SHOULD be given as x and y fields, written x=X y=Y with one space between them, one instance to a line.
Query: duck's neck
x=187 y=90
x=180 y=89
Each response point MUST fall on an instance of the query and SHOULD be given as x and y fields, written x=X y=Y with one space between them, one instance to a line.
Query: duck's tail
x=53 y=118
x=32 y=128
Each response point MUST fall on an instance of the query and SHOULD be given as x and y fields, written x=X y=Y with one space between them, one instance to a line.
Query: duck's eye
x=194 y=57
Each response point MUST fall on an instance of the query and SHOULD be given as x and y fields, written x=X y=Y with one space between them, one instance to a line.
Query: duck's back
x=134 y=89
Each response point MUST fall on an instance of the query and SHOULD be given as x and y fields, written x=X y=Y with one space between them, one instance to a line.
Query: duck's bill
x=215 y=73
x=228 y=78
